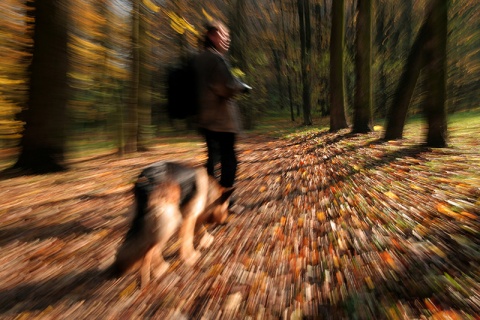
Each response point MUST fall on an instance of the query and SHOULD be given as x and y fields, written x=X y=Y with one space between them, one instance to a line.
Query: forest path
x=336 y=226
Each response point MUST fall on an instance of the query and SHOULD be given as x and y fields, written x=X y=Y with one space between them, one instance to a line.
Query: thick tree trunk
x=362 y=109
x=43 y=141
x=435 y=109
x=429 y=50
x=337 y=82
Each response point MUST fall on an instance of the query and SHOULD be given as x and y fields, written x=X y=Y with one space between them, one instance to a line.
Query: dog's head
x=218 y=208
x=220 y=211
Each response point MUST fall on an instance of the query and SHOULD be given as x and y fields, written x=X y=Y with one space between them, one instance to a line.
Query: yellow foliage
x=152 y=6
x=237 y=72
x=179 y=24
x=176 y=27
x=209 y=17
x=6 y=81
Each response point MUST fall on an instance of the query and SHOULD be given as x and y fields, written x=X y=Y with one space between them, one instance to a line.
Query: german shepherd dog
x=169 y=196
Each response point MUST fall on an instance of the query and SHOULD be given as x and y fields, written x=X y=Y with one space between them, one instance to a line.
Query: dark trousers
x=221 y=148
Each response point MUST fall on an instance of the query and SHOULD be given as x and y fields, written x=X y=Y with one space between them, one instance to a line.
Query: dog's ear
x=226 y=194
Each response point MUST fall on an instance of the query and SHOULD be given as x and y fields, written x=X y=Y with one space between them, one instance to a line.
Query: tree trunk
x=287 y=62
x=278 y=76
x=145 y=132
x=239 y=34
x=43 y=141
x=381 y=43
x=362 y=118
x=429 y=50
x=406 y=23
x=397 y=115
x=306 y=45
x=337 y=84
x=131 y=131
x=435 y=109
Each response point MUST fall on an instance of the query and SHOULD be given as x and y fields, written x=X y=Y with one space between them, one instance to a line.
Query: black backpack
x=182 y=101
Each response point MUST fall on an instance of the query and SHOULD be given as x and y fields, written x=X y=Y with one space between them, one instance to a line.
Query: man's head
x=217 y=36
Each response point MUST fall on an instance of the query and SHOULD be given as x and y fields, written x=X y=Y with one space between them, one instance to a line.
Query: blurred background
x=99 y=81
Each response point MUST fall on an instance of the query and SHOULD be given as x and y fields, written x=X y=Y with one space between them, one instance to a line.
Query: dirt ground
x=336 y=226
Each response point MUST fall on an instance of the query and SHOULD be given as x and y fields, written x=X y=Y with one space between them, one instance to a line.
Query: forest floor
x=336 y=226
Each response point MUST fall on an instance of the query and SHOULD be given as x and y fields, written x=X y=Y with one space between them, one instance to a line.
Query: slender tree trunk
x=132 y=111
x=337 y=82
x=145 y=132
x=362 y=109
x=397 y=115
x=239 y=43
x=305 y=43
x=43 y=141
x=278 y=76
x=381 y=43
x=435 y=108
x=287 y=58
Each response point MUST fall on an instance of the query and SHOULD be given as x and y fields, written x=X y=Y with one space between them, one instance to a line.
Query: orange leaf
x=442 y=208
x=468 y=215
x=128 y=290
x=391 y=195
x=321 y=216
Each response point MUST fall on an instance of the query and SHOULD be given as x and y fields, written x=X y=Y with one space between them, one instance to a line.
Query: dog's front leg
x=207 y=238
x=187 y=252
x=145 y=268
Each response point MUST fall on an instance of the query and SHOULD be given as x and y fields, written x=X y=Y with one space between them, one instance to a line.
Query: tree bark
x=306 y=45
x=434 y=107
x=362 y=108
x=43 y=141
x=428 y=50
x=131 y=132
x=287 y=62
x=397 y=115
x=145 y=132
x=337 y=81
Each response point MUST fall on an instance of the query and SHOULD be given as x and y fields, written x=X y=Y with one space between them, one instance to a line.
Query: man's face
x=221 y=40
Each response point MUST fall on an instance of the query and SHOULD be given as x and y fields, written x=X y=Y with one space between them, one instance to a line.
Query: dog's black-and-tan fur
x=169 y=196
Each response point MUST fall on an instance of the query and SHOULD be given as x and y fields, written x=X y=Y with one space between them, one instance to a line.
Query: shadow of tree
x=40 y=295
x=340 y=176
x=28 y=233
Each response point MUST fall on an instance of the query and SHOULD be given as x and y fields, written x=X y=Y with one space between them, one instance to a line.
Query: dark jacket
x=216 y=88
